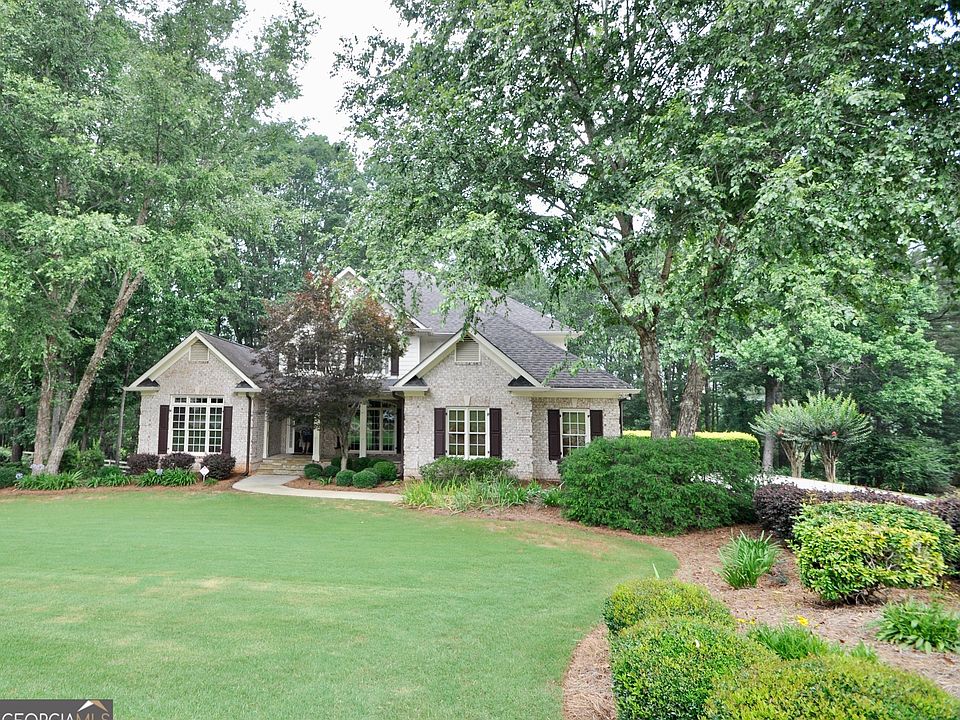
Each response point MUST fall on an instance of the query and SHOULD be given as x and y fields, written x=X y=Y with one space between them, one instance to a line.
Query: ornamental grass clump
x=922 y=626
x=745 y=559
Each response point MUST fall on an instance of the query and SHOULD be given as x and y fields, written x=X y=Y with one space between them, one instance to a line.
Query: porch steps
x=283 y=465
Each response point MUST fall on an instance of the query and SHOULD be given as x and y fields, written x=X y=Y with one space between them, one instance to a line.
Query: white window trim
x=586 y=427
x=363 y=430
x=466 y=440
x=186 y=422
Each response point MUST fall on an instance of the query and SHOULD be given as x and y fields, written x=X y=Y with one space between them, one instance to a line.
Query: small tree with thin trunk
x=834 y=423
x=327 y=349
x=788 y=422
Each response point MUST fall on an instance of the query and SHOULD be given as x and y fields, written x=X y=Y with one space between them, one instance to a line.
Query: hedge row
x=683 y=660
x=661 y=486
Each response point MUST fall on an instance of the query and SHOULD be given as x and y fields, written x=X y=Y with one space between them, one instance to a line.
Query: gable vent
x=468 y=352
x=199 y=353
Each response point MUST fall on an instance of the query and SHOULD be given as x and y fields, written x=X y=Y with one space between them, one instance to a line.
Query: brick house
x=494 y=389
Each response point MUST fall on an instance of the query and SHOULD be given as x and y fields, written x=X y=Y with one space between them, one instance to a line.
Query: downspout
x=249 y=428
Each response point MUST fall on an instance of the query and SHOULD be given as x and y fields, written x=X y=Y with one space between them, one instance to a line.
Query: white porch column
x=316 y=443
x=363 y=430
x=266 y=433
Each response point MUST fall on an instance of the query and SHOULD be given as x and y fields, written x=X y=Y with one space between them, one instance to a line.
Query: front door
x=299 y=437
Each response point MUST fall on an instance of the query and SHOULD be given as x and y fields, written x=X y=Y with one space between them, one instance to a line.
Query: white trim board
x=497 y=355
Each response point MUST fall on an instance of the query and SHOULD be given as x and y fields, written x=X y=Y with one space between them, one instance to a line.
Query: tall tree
x=327 y=351
x=658 y=151
x=136 y=129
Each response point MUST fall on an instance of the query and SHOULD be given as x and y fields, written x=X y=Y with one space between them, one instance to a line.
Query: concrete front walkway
x=275 y=485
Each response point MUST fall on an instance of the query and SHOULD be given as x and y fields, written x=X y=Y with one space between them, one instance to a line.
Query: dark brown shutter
x=439 y=432
x=227 y=430
x=164 y=430
x=399 y=429
x=596 y=424
x=553 y=434
x=395 y=365
x=496 y=432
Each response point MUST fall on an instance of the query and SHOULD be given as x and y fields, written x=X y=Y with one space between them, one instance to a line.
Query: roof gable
x=238 y=358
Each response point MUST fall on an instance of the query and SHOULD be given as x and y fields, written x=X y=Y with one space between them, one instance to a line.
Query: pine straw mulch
x=779 y=598
x=302 y=482
x=198 y=487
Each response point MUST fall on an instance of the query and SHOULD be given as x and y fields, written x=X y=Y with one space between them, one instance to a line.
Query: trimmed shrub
x=661 y=486
x=829 y=687
x=778 y=505
x=648 y=598
x=360 y=463
x=139 y=463
x=889 y=515
x=313 y=471
x=744 y=559
x=331 y=470
x=8 y=474
x=947 y=509
x=220 y=465
x=366 y=479
x=846 y=560
x=386 y=471
x=919 y=465
x=454 y=471
x=344 y=478
x=182 y=461
x=44 y=481
x=921 y=626
x=666 y=669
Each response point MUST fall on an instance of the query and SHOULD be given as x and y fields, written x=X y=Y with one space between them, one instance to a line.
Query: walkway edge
x=277 y=485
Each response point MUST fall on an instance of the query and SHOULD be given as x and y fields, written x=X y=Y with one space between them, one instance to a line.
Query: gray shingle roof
x=543 y=360
x=243 y=357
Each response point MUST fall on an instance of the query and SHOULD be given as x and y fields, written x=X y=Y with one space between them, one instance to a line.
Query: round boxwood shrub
x=667 y=668
x=331 y=470
x=140 y=463
x=830 y=686
x=386 y=471
x=220 y=465
x=344 y=478
x=181 y=461
x=366 y=479
x=661 y=486
x=647 y=598
x=360 y=463
x=313 y=471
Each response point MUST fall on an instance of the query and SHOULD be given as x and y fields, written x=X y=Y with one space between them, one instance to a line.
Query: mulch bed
x=778 y=598
x=200 y=487
x=302 y=482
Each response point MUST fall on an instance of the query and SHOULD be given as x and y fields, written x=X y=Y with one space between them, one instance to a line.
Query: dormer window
x=467 y=352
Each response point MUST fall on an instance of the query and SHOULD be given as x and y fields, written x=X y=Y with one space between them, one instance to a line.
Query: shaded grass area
x=226 y=605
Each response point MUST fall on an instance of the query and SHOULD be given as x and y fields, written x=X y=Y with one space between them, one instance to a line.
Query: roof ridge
x=223 y=339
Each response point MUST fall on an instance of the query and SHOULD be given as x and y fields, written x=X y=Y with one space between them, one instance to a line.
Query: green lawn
x=223 y=605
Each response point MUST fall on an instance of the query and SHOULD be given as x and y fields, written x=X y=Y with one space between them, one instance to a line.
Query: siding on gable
x=411 y=355
x=212 y=378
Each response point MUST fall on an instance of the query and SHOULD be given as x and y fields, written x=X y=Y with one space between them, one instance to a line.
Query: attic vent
x=199 y=353
x=468 y=352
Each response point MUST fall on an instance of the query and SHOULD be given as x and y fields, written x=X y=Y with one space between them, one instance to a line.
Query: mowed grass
x=223 y=605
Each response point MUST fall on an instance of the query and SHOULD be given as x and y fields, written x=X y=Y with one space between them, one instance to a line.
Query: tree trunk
x=16 y=446
x=692 y=399
x=771 y=396
x=657 y=405
x=41 y=441
x=128 y=287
